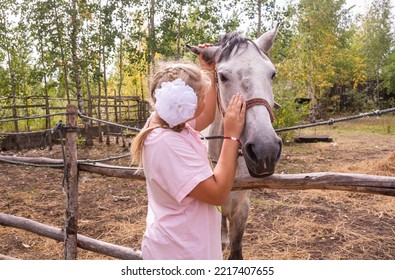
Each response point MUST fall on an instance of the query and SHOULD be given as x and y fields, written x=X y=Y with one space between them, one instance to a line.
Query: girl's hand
x=235 y=117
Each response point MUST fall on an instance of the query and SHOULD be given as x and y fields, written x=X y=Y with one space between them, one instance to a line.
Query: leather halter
x=250 y=103
x=261 y=101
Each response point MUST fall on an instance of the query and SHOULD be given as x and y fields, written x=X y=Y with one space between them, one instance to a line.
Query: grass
x=384 y=125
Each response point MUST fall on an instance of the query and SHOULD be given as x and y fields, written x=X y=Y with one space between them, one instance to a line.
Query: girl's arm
x=208 y=114
x=215 y=189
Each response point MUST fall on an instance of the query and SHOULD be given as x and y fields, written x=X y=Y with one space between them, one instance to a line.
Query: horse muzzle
x=261 y=159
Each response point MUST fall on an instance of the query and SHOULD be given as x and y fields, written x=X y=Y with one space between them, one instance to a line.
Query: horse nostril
x=280 y=145
x=250 y=152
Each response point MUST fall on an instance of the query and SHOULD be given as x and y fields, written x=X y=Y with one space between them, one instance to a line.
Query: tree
x=75 y=31
x=377 y=44
x=135 y=44
x=388 y=75
x=186 y=22
x=8 y=48
x=260 y=13
x=60 y=17
x=310 y=65
x=23 y=51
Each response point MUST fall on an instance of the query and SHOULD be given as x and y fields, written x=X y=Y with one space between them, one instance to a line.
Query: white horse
x=242 y=66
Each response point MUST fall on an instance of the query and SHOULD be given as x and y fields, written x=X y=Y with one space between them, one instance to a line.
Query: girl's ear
x=208 y=53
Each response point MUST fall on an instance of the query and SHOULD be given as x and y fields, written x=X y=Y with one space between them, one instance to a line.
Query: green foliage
x=342 y=63
x=376 y=48
x=314 y=50
x=388 y=78
x=291 y=113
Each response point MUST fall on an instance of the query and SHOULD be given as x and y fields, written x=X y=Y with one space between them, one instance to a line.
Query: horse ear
x=266 y=40
x=208 y=53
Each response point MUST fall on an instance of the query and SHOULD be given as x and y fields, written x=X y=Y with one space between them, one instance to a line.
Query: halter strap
x=261 y=101
x=250 y=103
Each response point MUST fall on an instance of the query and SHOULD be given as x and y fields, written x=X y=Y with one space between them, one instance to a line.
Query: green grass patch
x=384 y=125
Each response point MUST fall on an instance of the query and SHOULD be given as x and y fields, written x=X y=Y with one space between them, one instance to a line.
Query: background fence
x=17 y=130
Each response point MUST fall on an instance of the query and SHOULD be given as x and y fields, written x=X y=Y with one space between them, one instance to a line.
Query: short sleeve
x=192 y=123
x=178 y=166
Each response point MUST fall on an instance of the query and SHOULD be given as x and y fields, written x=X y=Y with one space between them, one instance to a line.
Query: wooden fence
x=118 y=108
x=129 y=110
x=383 y=185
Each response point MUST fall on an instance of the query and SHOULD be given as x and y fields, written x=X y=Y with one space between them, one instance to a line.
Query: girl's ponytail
x=138 y=144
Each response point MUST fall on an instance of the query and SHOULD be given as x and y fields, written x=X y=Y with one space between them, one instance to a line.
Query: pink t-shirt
x=178 y=226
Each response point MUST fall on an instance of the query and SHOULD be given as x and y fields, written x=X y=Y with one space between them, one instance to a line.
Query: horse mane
x=230 y=41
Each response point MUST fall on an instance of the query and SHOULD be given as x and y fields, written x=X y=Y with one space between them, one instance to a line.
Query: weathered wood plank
x=71 y=186
x=384 y=185
x=112 y=170
x=98 y=168
x=33 y=160
x=4 y=257
x=83 y=242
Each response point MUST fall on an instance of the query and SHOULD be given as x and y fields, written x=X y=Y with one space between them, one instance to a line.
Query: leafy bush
x=291 y=112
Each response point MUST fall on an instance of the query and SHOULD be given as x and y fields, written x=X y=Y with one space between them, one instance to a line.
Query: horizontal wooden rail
x=83 y=242
x=383 y=185
x=4 y=257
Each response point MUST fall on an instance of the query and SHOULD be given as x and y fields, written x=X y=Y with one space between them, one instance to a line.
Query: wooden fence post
x=71 y=188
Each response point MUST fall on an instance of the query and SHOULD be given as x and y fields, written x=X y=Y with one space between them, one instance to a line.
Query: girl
x=183 y=221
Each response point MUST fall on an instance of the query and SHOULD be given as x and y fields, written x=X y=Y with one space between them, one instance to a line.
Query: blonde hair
x=192 y=76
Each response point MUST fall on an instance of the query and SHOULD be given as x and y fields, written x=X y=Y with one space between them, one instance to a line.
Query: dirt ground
x=316 y=224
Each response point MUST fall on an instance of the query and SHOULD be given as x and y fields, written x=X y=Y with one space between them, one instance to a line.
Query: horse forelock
x=229 y=42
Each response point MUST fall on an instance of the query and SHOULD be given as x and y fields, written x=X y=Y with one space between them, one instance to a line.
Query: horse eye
x=222 y=77
x=274 y=75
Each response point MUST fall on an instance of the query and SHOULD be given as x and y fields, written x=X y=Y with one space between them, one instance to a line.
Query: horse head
x=243 y=66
